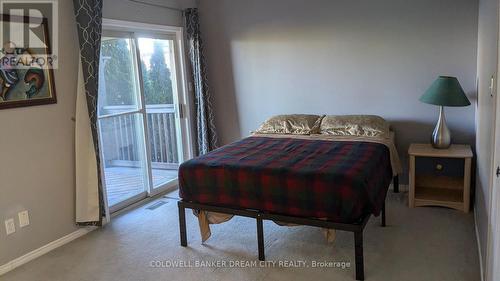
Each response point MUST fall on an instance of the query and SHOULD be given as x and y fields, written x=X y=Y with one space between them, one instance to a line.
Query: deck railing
x=120 y=139
x=162 y=133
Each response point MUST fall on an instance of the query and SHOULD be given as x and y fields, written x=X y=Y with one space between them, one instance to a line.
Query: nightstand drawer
x=435 y=166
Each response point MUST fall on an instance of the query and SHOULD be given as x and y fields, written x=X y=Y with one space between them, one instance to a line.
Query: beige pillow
x=296 y=124
x=354 y=125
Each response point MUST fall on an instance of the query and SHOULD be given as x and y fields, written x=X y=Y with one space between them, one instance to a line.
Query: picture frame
x=26 y=77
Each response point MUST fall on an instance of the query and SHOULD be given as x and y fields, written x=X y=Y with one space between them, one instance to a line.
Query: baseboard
x=44 y=249
x=481 y=268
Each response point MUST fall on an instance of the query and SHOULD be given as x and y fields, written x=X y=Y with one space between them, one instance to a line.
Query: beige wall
x=37 y=156
x=37 y=143
x=268 y=57
x=486 y=68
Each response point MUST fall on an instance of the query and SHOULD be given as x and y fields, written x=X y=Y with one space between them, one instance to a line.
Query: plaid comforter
x=337 y=180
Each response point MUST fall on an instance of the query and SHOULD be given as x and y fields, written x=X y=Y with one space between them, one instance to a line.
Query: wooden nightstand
x=440 y=177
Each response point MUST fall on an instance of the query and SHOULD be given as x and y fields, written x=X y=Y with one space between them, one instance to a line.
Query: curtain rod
x=156 y=5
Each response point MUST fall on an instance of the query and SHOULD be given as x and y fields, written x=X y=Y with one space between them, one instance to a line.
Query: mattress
x=341 y=181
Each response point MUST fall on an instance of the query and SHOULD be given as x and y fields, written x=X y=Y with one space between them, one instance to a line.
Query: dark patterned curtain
x=206 y=135
x=89 y=23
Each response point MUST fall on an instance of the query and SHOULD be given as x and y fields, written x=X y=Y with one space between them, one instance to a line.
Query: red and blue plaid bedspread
x=337 y=180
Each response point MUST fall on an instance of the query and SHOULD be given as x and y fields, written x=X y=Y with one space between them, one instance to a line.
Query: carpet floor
x=418 y=244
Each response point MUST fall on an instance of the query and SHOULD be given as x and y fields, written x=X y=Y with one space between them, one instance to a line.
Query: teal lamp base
x=441 y=137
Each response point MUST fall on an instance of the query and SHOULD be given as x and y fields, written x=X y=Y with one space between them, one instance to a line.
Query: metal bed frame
x=357 y=227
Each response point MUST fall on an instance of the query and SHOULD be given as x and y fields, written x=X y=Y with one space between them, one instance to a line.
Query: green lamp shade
x=445 y=91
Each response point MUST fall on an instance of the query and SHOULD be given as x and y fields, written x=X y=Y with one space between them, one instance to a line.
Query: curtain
x=89 y=194
x=205 y=128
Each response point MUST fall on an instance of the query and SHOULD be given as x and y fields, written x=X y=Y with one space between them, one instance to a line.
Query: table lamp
x=445 y=91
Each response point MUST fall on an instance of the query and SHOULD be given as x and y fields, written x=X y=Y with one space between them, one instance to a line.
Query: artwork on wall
x=26 y=75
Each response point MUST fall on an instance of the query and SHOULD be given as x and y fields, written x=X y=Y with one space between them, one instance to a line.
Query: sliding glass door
x=157 y=63
x=140 y=130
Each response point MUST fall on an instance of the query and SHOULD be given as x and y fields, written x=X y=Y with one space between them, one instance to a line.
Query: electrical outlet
x=24 y=218
x=10 y=226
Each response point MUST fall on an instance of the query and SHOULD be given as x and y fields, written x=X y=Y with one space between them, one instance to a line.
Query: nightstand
x=440 y=177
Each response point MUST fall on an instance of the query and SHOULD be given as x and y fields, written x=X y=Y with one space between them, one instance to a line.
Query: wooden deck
x=125 y=182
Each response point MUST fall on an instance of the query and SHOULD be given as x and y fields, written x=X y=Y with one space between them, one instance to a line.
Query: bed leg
x=182 y=224
x=260 y=239
x=358 y=250
x=383 y=215
x=395 y=182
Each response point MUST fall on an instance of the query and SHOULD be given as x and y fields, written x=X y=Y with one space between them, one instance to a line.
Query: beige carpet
x=418 y=244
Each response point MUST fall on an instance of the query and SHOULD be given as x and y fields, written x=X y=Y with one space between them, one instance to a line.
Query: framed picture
x=26 y=75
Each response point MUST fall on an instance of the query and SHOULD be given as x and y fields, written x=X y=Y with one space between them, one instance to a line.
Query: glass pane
x=158 y=73
x=118 y=86
x=124 y=164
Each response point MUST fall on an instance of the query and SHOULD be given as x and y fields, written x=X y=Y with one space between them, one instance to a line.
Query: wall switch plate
x=10 y=226
x=24 y=219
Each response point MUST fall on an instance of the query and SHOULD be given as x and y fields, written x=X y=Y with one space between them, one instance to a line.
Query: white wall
x=486 y=68
x=37 y=143
x=268 y=57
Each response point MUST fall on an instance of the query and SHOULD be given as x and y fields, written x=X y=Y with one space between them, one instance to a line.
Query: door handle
x=498 y=171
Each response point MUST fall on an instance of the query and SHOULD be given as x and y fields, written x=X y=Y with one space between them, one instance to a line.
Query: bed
x=334 y=182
